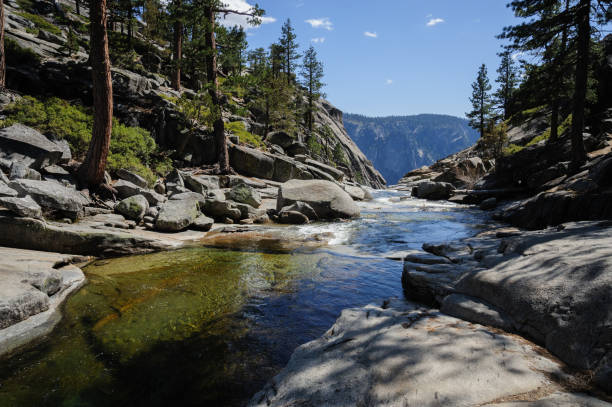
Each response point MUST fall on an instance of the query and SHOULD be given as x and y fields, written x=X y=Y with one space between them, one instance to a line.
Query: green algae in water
x=146 y=319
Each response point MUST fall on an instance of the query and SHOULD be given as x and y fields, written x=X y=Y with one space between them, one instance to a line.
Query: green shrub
x=339 y=155
x=512 y=149
x=131 y=147
x=18 y=55
x=41 y=23
x=238 y=129
x=313 y=145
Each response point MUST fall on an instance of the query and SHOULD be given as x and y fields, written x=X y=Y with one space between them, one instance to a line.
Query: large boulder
x=20 y=171
x=287 y=168
x=251 y=162
x=433 y=190
x=126 y=189
x=245 y=194
x=25 y=206
x=297 y=148
x=175 y=216
x=202 y=223
x=292 y=217
x=221 y=209
x=25 y=141
x=133 y=208
x=302 y=208
x=201 y=183
x=333 y=172
x=327 y=199
x=280 y=138
x=52 y=196
x=5 y=190
x=132 y=177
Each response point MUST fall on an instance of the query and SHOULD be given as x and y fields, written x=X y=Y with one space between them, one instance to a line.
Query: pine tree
x=312 y=73
x=481 y=101
x=289 y=49
x=276 y=59
x=92 y=169
x=211 y=9
x=508 y=81
x=232 y=46
x=177 y=16
x=554 y=27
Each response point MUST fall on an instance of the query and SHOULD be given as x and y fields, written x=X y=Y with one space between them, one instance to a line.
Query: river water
x=209 y=326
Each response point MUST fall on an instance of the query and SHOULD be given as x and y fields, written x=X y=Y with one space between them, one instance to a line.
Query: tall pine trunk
x=130 y=16
x=178 y=50
x=2 y=57
x=582 y=67
x=92 y=169
x=213 y=90
x=78 y=7
x=558 y=83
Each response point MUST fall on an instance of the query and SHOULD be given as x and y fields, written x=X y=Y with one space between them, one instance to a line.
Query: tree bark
x=213 y=90
x=582 y=66
x=78 y=7
x=178 y=50
x=2 y=57
x=92 y=169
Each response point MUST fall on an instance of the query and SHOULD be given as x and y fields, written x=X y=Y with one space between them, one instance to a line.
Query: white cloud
x=324 y=23
x=370 y=34
x=434 y=21
x=231 y=20
x=517 y=55
x=318 y=40
x=389 y=81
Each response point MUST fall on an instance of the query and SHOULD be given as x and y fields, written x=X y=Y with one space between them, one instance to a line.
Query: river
x=209 y=326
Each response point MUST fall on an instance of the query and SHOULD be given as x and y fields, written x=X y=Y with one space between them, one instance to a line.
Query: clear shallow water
x=207 y=326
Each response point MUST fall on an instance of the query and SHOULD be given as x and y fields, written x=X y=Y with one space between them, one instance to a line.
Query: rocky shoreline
x=463 y=348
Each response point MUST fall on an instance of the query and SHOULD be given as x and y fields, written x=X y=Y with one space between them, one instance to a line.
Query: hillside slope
x=398 y=144
x=39 y=65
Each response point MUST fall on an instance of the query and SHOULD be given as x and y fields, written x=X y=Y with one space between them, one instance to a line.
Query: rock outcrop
x=34 y=285
x=402 y=355
x=553 y=286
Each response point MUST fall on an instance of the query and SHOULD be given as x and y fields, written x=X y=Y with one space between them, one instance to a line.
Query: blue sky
x=393 y=57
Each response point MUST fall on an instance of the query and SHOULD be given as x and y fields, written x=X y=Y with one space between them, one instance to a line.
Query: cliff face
x=358 y=165
x=399 y=144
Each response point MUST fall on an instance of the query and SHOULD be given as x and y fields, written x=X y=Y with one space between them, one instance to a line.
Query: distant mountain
x=398 y=144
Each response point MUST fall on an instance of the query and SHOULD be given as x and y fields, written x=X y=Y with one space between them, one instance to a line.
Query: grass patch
x=238 y=129
x=132 y=148
x=41 y=23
